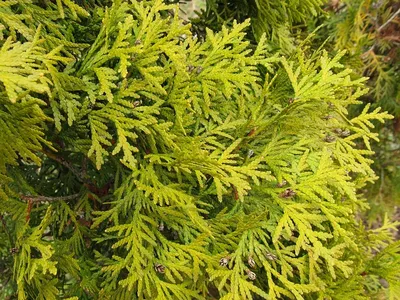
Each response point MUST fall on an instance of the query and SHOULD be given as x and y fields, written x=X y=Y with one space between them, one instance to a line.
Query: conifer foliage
x=370 y=31
x=274 y=18
x=140 y=162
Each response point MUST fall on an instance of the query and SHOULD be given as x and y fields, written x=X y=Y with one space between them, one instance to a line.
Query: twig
x=8 y=279
x=79 y=175
x=49 y=199
x=381 y=27
x=390 y=20
x=6 y=230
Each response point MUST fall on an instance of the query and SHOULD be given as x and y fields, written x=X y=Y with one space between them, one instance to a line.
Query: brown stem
x=381 y=27
x=79 y=175
x=389 y=20
x=48 y=199
x=28 y=210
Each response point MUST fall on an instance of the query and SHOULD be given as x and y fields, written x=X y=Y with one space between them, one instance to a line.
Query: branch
x=381 y=27
x=48 y=199
x=79 y=175
x=3 y=222
x=390 y=20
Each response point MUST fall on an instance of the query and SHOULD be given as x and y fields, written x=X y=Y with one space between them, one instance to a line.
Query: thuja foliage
x=139 y=162
x=370 y=31
x=276 y=19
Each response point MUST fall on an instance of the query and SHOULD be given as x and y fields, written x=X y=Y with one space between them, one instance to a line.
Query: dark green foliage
x=275 y=19
x=140 y=162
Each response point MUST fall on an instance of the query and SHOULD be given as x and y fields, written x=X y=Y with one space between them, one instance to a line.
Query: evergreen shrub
x=138 y=161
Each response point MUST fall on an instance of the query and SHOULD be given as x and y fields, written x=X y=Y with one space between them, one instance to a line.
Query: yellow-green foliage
x=369 y=31
x=138 y=162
